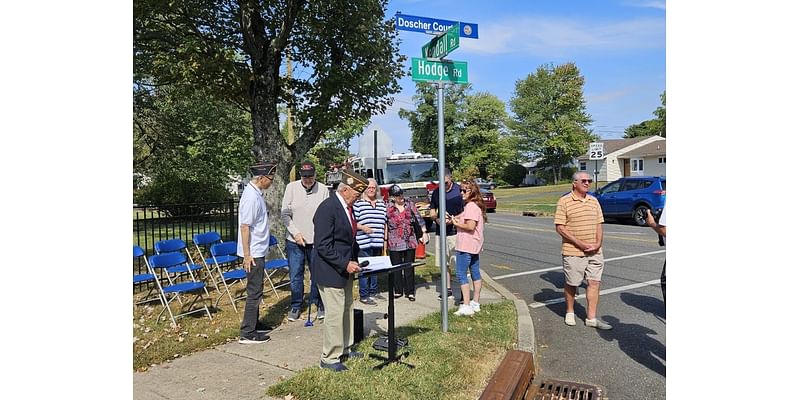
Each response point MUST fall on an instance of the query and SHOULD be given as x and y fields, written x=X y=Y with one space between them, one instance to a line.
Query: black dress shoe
x=336 y=367
x=411 y=297
x=352 y=354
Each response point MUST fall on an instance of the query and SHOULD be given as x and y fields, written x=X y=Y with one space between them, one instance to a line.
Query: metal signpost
x=432 y=68
x=596 y=153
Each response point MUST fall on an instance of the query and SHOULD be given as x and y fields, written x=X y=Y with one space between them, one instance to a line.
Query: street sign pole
x=595 y=176
x=442 y=209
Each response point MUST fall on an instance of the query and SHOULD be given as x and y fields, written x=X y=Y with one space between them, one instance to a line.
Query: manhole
x=552 y=389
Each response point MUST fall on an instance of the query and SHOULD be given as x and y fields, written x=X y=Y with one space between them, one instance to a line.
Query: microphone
x=363 y=264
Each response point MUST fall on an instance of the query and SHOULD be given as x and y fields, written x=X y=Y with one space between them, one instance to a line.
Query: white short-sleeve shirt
x=253 y=212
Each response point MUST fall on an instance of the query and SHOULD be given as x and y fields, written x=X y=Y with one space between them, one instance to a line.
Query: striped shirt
x=580 y=217
x=373 y=217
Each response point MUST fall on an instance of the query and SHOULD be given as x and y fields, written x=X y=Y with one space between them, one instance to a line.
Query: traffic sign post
x=443 y=44
x=596 y=153
x=423 y=70
x=429 y=69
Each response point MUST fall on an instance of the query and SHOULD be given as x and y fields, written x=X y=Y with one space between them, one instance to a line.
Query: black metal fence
x=152 y=223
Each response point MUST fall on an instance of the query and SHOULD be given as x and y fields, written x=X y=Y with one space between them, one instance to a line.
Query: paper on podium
x=376 y=263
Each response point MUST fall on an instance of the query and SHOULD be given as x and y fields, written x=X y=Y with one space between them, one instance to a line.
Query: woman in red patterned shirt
x=402 y=240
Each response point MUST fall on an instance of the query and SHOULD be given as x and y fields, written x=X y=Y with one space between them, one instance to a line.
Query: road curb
x=526 y=338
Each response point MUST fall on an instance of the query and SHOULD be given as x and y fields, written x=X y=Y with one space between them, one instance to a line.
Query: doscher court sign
x=414 y=23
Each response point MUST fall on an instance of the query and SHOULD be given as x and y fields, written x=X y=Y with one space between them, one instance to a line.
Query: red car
x=489 y=200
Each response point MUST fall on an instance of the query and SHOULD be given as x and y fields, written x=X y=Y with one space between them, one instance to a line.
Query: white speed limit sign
x=596 y=151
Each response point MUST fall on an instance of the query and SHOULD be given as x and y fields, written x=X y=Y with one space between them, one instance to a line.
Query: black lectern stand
x=392 y=345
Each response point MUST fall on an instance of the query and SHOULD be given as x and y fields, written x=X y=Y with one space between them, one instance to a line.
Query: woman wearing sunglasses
x=469 y=243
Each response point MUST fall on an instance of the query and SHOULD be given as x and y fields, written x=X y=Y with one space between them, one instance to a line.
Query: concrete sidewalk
x=244 y=371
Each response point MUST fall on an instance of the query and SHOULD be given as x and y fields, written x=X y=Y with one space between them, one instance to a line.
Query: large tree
x=652 y=127
x=550 y=115
x=424 y=120
x=482 y=144
x=345 y=56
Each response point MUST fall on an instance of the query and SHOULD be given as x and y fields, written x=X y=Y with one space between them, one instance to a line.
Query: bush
x=182 y=196
x=513 y=174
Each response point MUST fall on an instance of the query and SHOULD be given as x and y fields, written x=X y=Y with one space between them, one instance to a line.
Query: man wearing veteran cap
x=300 y=202
x=253 y=245
x=333 y=264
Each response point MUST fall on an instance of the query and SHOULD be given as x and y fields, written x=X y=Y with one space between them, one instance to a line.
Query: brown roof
x=612 y=145
x=657 y=148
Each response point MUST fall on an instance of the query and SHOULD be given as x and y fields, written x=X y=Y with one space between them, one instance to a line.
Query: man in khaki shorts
x=579 y=221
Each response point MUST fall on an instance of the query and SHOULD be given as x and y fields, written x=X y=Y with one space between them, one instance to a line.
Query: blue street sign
x=432 y=25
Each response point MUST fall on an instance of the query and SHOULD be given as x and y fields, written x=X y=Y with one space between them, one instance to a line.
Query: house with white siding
x=628 y=157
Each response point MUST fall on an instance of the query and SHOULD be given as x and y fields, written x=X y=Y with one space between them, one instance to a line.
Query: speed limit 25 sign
x=596 y=151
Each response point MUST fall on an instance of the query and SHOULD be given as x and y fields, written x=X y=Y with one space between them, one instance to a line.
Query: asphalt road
x=523 y=254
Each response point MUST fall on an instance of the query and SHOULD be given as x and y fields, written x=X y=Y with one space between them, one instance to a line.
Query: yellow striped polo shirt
x=580 y=217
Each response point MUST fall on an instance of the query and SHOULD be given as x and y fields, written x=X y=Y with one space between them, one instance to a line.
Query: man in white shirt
x=253 y=246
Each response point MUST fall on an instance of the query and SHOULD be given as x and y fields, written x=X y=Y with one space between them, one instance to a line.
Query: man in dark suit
x=333 y=263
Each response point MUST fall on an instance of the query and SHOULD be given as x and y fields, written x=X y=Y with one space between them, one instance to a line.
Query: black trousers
x=255 y=290
x=403 y=279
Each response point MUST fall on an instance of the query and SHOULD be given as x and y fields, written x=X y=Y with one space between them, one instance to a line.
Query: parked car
x=631 y=196
x=484 y=184
x=489 y=200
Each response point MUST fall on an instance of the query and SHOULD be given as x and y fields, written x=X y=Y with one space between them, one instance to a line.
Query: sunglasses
x=465 y=190
x=584 y=180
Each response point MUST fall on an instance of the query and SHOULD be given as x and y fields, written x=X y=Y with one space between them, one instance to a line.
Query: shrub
x=513 y=174
x=182 y=196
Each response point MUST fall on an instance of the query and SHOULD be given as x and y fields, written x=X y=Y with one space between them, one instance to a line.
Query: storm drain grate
x=552 y=389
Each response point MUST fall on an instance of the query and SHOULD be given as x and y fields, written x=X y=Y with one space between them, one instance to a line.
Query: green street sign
x=423 y=70
x=441 y=46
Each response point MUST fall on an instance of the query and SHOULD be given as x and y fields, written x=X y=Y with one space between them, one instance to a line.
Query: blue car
x=631 y=196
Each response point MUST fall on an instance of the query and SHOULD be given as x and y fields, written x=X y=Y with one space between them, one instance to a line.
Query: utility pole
x=289 y=125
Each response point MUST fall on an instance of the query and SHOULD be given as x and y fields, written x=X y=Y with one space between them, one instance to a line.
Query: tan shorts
x=451 y=251
x=577 y=268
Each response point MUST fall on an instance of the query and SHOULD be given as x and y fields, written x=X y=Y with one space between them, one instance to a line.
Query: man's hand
x=248 y=262
x=352 y=267
x=298 y=238
x=366 y=229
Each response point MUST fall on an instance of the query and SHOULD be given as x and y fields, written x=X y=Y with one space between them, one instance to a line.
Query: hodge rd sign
x=432 y=25
x=433 y=71
x=441 y=46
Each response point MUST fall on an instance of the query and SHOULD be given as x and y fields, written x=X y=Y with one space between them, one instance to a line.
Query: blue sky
x=618 y=46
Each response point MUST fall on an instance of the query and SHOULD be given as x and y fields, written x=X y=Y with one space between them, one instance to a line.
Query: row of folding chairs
x=222 y=269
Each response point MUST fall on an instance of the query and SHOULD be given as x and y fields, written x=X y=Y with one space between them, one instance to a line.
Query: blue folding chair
x=276 y=265
x=223 y=256
x=177 y=262
x=149 y=277
x=203 y=242
x=178 y=246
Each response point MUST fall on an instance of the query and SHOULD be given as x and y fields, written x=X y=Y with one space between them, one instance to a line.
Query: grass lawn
x=452 y=365
x=541 y=199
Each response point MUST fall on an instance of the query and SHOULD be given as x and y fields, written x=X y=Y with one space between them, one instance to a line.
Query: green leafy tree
x=424 y=120
x=481 y=143
x=189 y=146
x=652 y=127
x=345 y=56
x=550 y=115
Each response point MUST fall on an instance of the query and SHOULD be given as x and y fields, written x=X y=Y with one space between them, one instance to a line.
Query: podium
x=392 y=343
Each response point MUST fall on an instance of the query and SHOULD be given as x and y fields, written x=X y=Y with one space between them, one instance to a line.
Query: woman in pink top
x=469 y=243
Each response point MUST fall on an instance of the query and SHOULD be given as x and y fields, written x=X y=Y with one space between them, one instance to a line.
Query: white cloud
x=549 y=37
x=661 y=5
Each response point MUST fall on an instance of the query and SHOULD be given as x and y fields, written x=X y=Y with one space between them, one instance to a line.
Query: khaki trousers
x=337 y=330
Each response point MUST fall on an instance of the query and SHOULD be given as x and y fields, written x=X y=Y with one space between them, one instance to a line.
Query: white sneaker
x=569 y=319
x=476 y=307
x=596 y=323
x=464 y=310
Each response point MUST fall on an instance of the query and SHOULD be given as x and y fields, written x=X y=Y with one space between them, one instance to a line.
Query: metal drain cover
x=553 y=389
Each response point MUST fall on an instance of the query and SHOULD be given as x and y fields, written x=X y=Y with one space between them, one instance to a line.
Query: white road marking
x=559 y=267
x=602 y=292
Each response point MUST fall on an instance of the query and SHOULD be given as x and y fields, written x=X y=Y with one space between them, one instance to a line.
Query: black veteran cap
x=354 y=180
x=307 y=169
x=263 y=168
